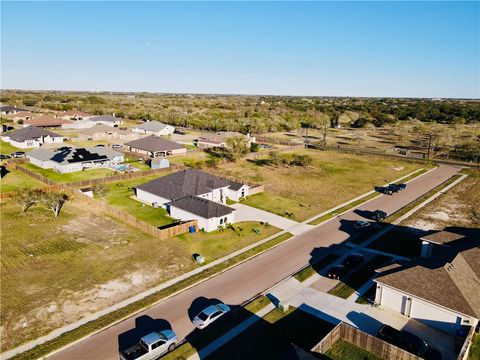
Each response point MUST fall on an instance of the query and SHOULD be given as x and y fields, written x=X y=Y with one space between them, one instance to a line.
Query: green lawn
x=70 y=177
x=343 y=350
x=357 y=277
x=119 y=195
x=16 y=180
x=331 y=179
x=269 y=337
x=216 y=244
x=6 y=148
x=474 y=353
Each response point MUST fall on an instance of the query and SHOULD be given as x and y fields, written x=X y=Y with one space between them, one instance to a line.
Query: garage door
x=435 y=316
x=393 y=300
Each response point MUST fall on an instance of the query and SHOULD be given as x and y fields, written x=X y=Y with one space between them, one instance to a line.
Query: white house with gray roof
x=31 y=137
x=191 y=195
x=154 y=128
x=70 y=159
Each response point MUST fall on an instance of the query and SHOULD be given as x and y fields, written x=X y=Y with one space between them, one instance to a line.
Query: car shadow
x=144 y=325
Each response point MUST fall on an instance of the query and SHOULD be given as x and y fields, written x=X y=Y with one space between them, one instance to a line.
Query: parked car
x=210 y=314
x=151 y=346
x=393 y=188
x=379 y=215
x=353 y=260
x=116 y=146
x=401 y=186
x=409 y=342
x=383 y=190
x=179 y=132
x=360 y=224
x=4 y=157
x=18 y=154
x=337 y=272
x=99 y=145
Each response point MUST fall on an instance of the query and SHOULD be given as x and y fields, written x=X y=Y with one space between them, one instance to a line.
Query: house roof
x=183 y=183
x=106 y=118
x=101 y=128
x=47 y=120
x=211 y=140
x=21 y=114
x=11 y=108
x=456 y=269
x=235 y=185
x=151 y=126
x=202 y=207
x=68 y=155
x=74 y=112
x=442 y=237
x=154 y=143
x=29 y=133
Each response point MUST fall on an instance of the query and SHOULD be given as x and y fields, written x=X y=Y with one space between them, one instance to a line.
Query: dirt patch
x=90 y=228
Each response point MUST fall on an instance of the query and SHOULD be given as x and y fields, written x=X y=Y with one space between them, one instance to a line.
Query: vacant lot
x=301 y=192
x=70 y=177
x=14 y=180
x=458 y=207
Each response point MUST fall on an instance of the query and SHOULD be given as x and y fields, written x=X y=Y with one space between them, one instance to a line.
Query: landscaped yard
x=16 y=180
x=269 y=337
x=70 y=177
x=332 y=179
x=343 y=350
x=6 y=148
x=53 y=271
x=120 y=195
x=220 y=243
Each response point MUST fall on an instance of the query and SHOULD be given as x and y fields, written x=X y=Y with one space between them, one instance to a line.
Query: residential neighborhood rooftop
x=151 y=126
x=47 y=120
x=450 y=277
x=442 y=237
x=183 y=183
x=106 y=118
x=29 y=133
x=202 y=207
x=68 y=155
x=154 y=143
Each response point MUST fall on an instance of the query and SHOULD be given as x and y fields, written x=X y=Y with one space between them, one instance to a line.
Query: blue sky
x=412 y=49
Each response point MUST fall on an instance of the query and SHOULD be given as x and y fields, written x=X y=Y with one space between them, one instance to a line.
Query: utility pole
x=429 y=145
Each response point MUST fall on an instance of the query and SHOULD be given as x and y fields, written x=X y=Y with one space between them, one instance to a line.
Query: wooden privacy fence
x=362 y=339
x=268 y=140
x=33 y=174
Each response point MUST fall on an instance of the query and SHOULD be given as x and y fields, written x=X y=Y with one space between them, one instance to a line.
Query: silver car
x=210 y=314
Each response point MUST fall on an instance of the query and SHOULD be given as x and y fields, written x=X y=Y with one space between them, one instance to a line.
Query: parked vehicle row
x=16 y=154
x=391 y=188
x=157 y=343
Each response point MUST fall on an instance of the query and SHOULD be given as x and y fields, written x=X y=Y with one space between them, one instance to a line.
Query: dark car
x=99 y=145
x=393 y=188
x=337 y=272
x=353 y=260
x=4 y=157
x=401 y=186
x=379 y=215
x=18 y=154
x=409 y=342
x=384 y=190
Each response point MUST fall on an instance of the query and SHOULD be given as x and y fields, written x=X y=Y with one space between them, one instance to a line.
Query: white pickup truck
x=151 y=346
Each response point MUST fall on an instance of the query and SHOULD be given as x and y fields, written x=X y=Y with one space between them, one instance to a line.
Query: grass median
x=129 y=310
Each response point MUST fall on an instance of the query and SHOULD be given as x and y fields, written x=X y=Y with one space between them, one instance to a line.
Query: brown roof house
x=441 y=290
x=154 y=146
x=190 y=195
x=46 y=121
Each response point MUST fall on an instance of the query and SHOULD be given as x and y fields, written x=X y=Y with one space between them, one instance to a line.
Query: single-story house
x=6 y=109
x=154 y=146
x=21 y=115
x=219 y=139
x=47 y=121
x=31 y=137
x=237 y=191
x=100 y=132
x=74 y=115
x=109 y=120
x=180 y=193
x=441 y=290
x=70 y=159
x=209 y=214
x=154 y=128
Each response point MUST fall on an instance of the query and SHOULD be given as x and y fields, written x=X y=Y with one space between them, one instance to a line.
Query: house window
x=225 y=220
x=221 y=221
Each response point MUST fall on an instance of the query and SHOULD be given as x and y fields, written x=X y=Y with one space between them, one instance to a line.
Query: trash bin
x=191 y=229
x=283 y=306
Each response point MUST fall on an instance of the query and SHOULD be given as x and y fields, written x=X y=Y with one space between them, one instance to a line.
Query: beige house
x=154 y=146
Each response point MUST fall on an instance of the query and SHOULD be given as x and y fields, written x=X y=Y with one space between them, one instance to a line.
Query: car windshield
x=145 y=346
x=202 y=316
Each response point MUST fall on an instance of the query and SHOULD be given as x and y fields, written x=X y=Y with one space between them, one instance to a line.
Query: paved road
x=252 y=277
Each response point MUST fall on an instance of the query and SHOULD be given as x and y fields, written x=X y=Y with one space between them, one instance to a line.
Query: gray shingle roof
x=11 y=108
x=151 y=126
x=202 y=207
x=106 y=118
x=154 y=143
x=449 y=278
x=29 y=133
x=68 y=155
x=183 y=183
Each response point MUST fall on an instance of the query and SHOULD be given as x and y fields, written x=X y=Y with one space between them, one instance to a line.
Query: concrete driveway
x=249 y=213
